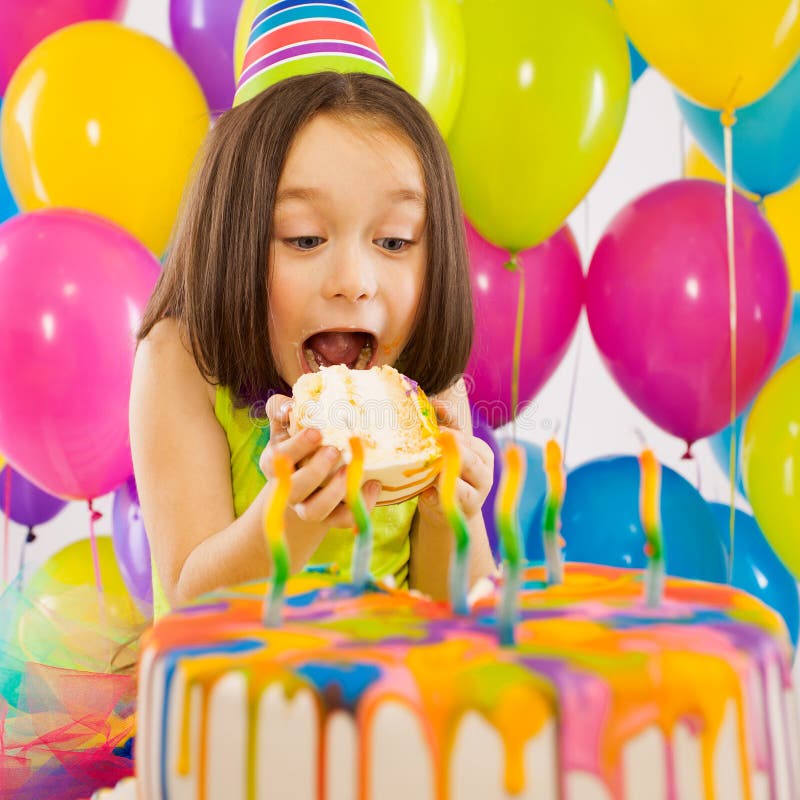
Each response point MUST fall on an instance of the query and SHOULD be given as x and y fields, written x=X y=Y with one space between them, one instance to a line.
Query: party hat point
x=299 y=37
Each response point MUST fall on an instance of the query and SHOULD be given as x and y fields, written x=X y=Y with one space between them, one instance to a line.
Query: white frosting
x=380 y=406
x=401 y=766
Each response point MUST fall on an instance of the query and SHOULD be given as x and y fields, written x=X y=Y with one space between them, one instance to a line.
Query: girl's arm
x=432 y=539
x=183 y=474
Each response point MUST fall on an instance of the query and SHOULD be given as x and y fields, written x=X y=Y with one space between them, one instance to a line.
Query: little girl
x=323 y=226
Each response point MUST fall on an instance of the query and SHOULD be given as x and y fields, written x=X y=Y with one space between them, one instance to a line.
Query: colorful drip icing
x=589 y=657
x=554 y=499
x=451 y=469
x=362 y=552
x=274 y=513
x=507 y=521
x=650 y=511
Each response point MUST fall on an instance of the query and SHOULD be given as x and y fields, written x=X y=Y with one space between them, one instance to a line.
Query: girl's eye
x=305 y=242
x=393 y=244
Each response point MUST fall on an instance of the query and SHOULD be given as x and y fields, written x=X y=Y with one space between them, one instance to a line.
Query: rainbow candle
x=649 y=506
x=274 y=513
x=507 y=521
x=362 y=552
x=551 y=521
x=448 y=480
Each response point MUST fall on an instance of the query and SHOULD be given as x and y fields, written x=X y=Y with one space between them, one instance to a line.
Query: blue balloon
x=756 y=567
x=535 y=482
x=721 y=442
x=638 y=64
x=766 y=158
x=601 y=525
x=8 y=208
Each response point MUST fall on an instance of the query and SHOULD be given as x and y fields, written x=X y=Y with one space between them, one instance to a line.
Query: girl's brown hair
x=215 y=281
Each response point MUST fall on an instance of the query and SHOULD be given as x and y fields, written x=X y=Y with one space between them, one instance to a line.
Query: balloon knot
x=688 y=455
x=512 y=265
x=728 y=118
x=31 y=537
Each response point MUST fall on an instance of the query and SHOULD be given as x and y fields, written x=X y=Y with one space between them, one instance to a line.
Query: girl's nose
x=351 y=276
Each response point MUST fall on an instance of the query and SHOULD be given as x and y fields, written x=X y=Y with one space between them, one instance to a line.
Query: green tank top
x=246 y=440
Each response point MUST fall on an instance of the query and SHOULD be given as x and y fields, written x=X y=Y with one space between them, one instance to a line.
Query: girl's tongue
x=340 y=347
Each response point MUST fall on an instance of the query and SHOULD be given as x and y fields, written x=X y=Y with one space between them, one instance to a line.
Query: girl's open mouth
x=353 y=348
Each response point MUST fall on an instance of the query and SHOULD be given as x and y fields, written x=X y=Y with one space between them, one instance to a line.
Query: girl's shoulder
x=167 y=354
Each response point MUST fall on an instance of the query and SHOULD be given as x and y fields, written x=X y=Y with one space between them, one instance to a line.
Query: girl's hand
x=477 y=466
x=310 y=502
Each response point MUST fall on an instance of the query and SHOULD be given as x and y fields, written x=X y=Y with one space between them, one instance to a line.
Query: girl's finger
x=296 y=447
x=277 y=410
x=469 y=498
x=309 y=477
x=319 y=505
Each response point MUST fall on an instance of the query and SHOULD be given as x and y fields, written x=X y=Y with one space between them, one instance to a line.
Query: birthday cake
x=385 y=694
x=386 y=410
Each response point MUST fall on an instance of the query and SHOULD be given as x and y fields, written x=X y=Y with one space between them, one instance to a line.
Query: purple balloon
x=657 y=301
x=203 y=32
x=553 y=300
x=29 y=505
x=482 y=429
x=130 y=543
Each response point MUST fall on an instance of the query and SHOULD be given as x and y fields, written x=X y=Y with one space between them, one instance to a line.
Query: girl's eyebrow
x=310 y=194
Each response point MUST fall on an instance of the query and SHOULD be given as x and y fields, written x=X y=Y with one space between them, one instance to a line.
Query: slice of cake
x=387 y=696
x=387 y=410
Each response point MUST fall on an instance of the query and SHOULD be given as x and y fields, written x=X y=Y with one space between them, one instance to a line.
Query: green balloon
x=422 y=41
x=545 y=97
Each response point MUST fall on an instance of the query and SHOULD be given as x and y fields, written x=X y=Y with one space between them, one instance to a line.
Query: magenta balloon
x=553 y=299
x=73 y=289
x=24 y=23
x=657 y=300
x=203 y=32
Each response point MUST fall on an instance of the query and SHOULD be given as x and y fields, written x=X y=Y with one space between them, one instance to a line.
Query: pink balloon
x=553 y=299
x=24 y=23
x=657 y=300
x=73 y=289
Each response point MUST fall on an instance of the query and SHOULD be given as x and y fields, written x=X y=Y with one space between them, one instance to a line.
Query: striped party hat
x=298 y=37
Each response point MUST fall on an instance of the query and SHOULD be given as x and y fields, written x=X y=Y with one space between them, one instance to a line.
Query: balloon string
x=6 y=535
x=517 y=346
x=574 y=385
x=94 y=515
x=728 y=120
x=30 y=538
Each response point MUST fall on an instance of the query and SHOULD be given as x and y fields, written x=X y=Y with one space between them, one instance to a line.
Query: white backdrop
x=603 y=421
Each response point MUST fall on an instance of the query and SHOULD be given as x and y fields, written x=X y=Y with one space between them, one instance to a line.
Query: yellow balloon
x=246 y=14
x=720 y=53
x=2 y=461
x=545 y=96
x=781 y=209
x=103 y=118
x=67 y=624
x=423 y=44
x=771 y=462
